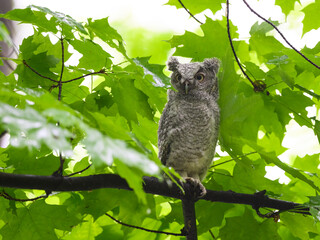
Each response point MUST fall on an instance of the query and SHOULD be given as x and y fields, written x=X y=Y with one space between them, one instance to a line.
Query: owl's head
x=195 y=77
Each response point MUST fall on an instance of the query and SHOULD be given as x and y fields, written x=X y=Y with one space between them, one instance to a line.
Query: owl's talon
x=196 y=187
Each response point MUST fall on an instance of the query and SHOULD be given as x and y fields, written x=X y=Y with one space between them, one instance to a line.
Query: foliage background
x=110 y=120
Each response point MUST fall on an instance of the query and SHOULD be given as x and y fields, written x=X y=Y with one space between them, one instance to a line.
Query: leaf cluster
x=108 y=114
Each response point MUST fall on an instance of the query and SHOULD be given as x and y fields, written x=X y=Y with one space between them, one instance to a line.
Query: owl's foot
x=196 y=187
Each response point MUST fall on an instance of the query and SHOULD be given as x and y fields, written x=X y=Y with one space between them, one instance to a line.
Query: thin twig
x=78 y=172
x=39 y=74
x=182 y=5
x=59 y=172
x=86 y=75
x=144 y=229
x=211 y=233
x=219 y=173
x=7 y=196
x=283 y=37
x=234 y=52
x=244 y=155
x=62 y=68
x=66 y=81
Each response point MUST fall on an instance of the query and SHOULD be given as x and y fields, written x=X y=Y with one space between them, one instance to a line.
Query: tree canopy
x=77 y=105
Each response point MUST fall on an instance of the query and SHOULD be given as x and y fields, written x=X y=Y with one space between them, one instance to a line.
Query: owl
x=189 y=125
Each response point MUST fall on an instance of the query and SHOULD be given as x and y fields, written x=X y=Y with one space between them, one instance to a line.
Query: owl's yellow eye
x=178 y=77
x=199 y=76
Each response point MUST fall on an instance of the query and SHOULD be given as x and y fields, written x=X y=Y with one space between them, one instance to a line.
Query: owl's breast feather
x=193 y=135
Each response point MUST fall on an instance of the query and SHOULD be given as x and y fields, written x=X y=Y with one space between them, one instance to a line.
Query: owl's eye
x=199 y=76
x=178 y=77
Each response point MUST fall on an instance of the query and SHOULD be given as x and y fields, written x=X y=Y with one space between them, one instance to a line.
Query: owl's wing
x=165 y=152
x=164 y=139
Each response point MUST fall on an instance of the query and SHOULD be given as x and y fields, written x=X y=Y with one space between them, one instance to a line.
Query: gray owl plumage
x=189 y=125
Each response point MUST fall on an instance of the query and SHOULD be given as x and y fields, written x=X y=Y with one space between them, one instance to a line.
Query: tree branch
x=152 y=185
x=190 y=221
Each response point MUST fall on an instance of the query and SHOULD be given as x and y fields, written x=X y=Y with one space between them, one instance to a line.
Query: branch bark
x=189 y=215
x=152 y=185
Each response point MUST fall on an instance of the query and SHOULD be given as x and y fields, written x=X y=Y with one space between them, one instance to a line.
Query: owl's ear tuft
x=212 y=64
x=173 y=63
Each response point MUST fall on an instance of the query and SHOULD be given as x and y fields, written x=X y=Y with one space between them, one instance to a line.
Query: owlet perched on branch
x=189 y=125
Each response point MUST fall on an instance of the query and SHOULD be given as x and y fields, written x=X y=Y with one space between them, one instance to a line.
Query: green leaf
x=113 y=126
x=98 y=202
x=199 y=6
x=194 y=46
x=38 y=221
x=134 y=180
x=271 y=47
x=102 y=29
x=262 y=29
x=5 y=35
x=311 y=14
x=317 y=129
x=25 y=162
x=93 y=56
x=295 y=102
x=206 y=221
x=308 y=163
x=303 y=232
x=87 y=230
x=35 y=18
x=124 y=91
x=104 y=149
x=155 y=70
x=270 y=158
x=28 y=128
x=64 y=19
x=247 y=227
x=286 y=5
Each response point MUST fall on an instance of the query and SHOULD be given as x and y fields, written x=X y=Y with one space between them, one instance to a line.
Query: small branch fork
x=60 y=83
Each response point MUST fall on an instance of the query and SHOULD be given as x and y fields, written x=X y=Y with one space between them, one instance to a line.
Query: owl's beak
x=186 y=84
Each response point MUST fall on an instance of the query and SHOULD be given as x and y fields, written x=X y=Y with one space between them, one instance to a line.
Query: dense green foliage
x=110 y=120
